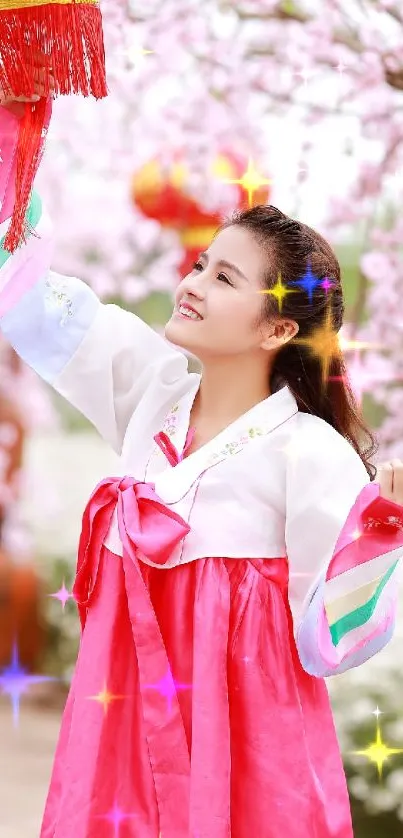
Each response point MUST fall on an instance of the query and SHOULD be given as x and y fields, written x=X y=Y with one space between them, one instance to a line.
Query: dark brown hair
x=293 y=249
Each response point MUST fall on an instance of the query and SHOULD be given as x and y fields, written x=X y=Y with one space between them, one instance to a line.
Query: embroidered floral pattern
x=57 y=297
x=170 y=428
x=237 y=444
x=170 y=425
x=392 y=522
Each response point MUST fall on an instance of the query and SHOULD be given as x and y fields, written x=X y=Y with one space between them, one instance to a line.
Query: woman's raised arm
x=344 y=542
x=101 y=358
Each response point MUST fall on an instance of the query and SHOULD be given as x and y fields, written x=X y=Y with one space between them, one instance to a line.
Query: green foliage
x=62 y=625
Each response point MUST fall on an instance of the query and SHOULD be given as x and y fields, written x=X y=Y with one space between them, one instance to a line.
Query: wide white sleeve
x=101 y=358
x=343 y=545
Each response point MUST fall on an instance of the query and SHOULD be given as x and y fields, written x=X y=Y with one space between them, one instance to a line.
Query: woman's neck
x=227 y=392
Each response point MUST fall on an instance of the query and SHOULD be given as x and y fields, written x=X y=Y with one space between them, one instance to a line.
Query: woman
x=240 y=557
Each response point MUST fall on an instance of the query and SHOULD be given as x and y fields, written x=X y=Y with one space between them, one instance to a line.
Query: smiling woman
x=249 y=333
x=228 y=304
x=239 y=555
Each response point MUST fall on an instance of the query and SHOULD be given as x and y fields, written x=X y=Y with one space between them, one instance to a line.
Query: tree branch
x=343 y=37
x=359 y=306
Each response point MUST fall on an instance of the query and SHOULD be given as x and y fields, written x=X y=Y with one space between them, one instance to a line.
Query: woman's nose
x=195 y=288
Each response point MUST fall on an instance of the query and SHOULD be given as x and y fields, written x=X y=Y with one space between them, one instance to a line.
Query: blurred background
x=213 y=105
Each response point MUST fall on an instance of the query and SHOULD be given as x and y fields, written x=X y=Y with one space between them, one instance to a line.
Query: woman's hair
x=294 y=250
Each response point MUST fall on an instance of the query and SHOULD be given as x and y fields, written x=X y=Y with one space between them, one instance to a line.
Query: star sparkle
x=378 y=751
x=327 y=284
x=306 y=74
x=362 y=379
x=346 y=345
x=340 y=67
x=251 y=181
x=136 y=56
x=105 y=698
x=116 y=816
x=15 y=682
x=323 y=344
x=62 y=595
x=167 y=687
x=308 y=282
x=292 y=450
x=279 y=291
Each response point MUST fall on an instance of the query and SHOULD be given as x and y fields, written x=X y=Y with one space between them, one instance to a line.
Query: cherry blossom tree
x=244 y=74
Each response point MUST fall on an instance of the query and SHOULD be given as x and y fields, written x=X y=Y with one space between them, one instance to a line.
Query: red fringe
x=69 y=39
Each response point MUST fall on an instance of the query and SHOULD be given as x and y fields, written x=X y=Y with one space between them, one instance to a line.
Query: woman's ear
x=279 y=333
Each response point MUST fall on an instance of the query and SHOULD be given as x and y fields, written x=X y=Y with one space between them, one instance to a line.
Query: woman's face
x=227 y=298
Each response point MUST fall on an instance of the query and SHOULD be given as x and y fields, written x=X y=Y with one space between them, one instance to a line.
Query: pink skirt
x=189 y=713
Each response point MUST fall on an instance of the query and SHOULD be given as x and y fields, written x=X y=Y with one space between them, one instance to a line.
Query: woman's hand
x=16 y=104
x=390 y=478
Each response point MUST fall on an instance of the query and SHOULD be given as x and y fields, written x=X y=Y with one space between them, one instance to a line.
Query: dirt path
x=26 y=755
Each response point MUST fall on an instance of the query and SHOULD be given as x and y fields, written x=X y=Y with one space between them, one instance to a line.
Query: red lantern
x=20 y=585
x=165 y=199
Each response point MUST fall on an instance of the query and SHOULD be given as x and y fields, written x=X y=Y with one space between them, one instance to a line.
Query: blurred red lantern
x=20 y=584
x=164 y=197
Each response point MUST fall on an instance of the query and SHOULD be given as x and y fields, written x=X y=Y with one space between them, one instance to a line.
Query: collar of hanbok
x=174 y=481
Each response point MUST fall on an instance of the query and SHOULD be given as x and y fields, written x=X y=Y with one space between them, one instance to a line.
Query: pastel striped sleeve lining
x=351 y=613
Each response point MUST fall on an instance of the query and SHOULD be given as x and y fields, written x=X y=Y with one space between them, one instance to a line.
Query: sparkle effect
x=62 y=595
x=167 y=687
x=279 y=291
x=323 y=344
x=292 y=450
x=14 y=681
x=361 y=378
x=378 y=752
x=136 y=56
x=251 y=181
x=341 y=68
x=308 y=282
x=346 y=345
x=327 y=284
x=105 y=698
x=306 y=74
x=116 y=816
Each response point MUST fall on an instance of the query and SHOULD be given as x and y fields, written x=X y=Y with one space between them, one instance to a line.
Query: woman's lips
x=187 y=317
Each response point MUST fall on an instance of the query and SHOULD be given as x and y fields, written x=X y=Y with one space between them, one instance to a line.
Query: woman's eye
x=225 y=278
x=199 y=267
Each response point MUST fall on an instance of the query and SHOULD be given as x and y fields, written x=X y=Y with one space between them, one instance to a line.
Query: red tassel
x=69 y=40
x=29 y=153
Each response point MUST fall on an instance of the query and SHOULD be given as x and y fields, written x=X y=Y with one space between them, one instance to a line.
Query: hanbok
x=216 y=590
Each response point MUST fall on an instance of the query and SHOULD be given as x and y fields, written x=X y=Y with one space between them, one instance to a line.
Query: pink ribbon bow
x=146 y=526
